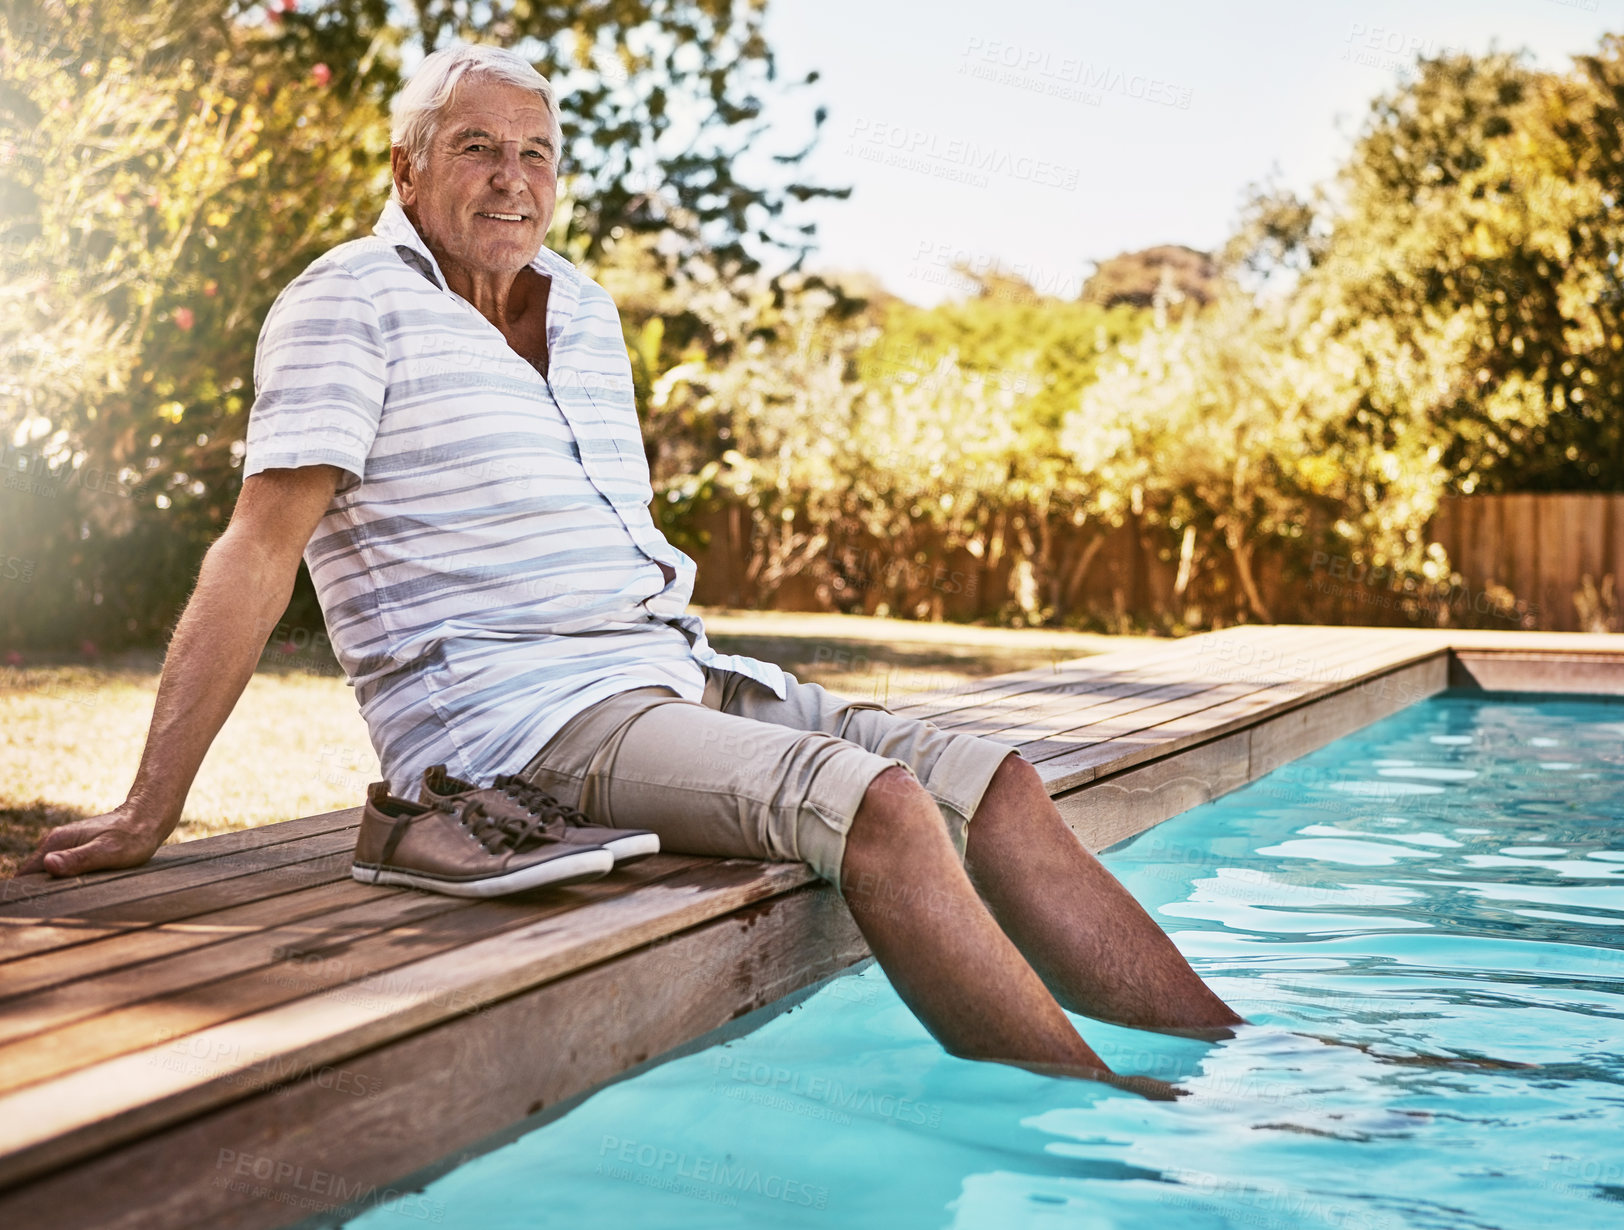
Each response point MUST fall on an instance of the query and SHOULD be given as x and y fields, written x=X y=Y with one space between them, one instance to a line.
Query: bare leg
x=942 y=950
x=1090 y=941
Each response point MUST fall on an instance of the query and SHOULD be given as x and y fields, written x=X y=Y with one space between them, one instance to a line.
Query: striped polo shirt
x=488 y=566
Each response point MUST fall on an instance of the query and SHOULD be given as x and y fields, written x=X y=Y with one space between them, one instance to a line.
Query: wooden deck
x=238 y=1033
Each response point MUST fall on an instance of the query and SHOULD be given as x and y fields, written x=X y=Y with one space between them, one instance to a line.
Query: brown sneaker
x=512 y=799
x=457 y=848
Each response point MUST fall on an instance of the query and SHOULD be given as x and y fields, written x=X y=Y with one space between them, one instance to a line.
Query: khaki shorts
x=743 y=774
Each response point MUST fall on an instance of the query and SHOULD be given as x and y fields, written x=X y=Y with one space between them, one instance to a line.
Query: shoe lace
x=501 y=836
x=548 y=810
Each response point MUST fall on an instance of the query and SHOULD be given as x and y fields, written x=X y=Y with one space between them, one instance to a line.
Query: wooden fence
x=1542 y=548
x=1548 y=562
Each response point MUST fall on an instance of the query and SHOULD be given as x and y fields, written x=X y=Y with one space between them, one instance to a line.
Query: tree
x=1167 y=270
x=167 y=172
x=1478 y=219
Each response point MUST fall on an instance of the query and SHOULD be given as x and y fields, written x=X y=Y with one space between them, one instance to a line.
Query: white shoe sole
x=628 y=849
x=567 y=869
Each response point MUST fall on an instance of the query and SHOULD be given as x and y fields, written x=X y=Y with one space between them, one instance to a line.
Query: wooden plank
x=1559 y=558
x=24 y=937
x=1007 y=691
x=180 y=853
x=1494 y=566
x=1281 y=738
x=1113 y=809
x=47 y=1124
x=1615 y=534
x=191 y=909
x=1506 y=672
x=319 y=1145
x=125 y=948
x=1445 y=530
x=1096 y=760
x=1155 y=663
x=1123 y=719
x=49 y=1034
x=1116 y=807
x=1350 y=661
x=20 y=937
x=1015 y=692
x=211 y=970
x=1136 y=725
x=1017 y=712
x=1509 y=560
x=1063 y=716
x=99 y=892
x=1590 y=539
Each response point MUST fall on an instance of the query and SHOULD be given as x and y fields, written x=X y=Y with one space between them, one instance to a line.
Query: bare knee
x=898 y=821
x=1016 y=793
x=1018 y=775
x=895 y=808
x=1016 y=822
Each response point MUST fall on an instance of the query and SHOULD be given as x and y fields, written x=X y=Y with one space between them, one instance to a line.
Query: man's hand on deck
x=242 y=590
x=97 y=843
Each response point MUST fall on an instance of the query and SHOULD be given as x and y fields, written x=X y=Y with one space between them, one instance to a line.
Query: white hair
x=414 y=113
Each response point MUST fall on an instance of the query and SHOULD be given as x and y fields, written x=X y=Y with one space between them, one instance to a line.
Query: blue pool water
x=1446 y=883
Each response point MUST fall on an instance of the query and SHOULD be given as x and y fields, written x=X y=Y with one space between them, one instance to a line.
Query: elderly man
x=444 y=429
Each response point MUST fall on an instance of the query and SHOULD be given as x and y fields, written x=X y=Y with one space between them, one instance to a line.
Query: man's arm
x=242 y=590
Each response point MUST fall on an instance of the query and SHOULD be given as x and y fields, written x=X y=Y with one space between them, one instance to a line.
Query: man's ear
x=400 y=164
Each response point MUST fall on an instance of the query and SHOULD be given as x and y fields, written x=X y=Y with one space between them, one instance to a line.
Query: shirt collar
x=394 y=226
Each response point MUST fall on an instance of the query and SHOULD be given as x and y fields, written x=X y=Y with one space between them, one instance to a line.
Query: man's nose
x=509 y=173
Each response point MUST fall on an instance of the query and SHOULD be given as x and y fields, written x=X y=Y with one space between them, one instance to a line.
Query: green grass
x=296 y=744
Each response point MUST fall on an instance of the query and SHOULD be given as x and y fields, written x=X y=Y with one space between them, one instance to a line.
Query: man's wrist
x=142 y=817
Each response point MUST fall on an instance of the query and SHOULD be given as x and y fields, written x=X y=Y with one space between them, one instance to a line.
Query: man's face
x=485 y=197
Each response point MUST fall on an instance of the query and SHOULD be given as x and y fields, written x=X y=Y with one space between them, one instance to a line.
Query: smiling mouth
x=503 y=217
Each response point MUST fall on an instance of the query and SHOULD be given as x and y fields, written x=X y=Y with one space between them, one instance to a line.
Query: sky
x=1035 y=136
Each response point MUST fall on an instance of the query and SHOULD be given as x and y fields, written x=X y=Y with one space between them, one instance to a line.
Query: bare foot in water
x=1145 y=1086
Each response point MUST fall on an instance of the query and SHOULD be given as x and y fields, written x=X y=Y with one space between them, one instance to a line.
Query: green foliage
x=166 y=173
x=1446 y=316
x=926 y=437
x=1478 y=222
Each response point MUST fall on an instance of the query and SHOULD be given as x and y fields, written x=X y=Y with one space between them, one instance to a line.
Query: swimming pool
x=1442 y=891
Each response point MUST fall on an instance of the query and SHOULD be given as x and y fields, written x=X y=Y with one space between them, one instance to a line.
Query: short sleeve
x=319 y=377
